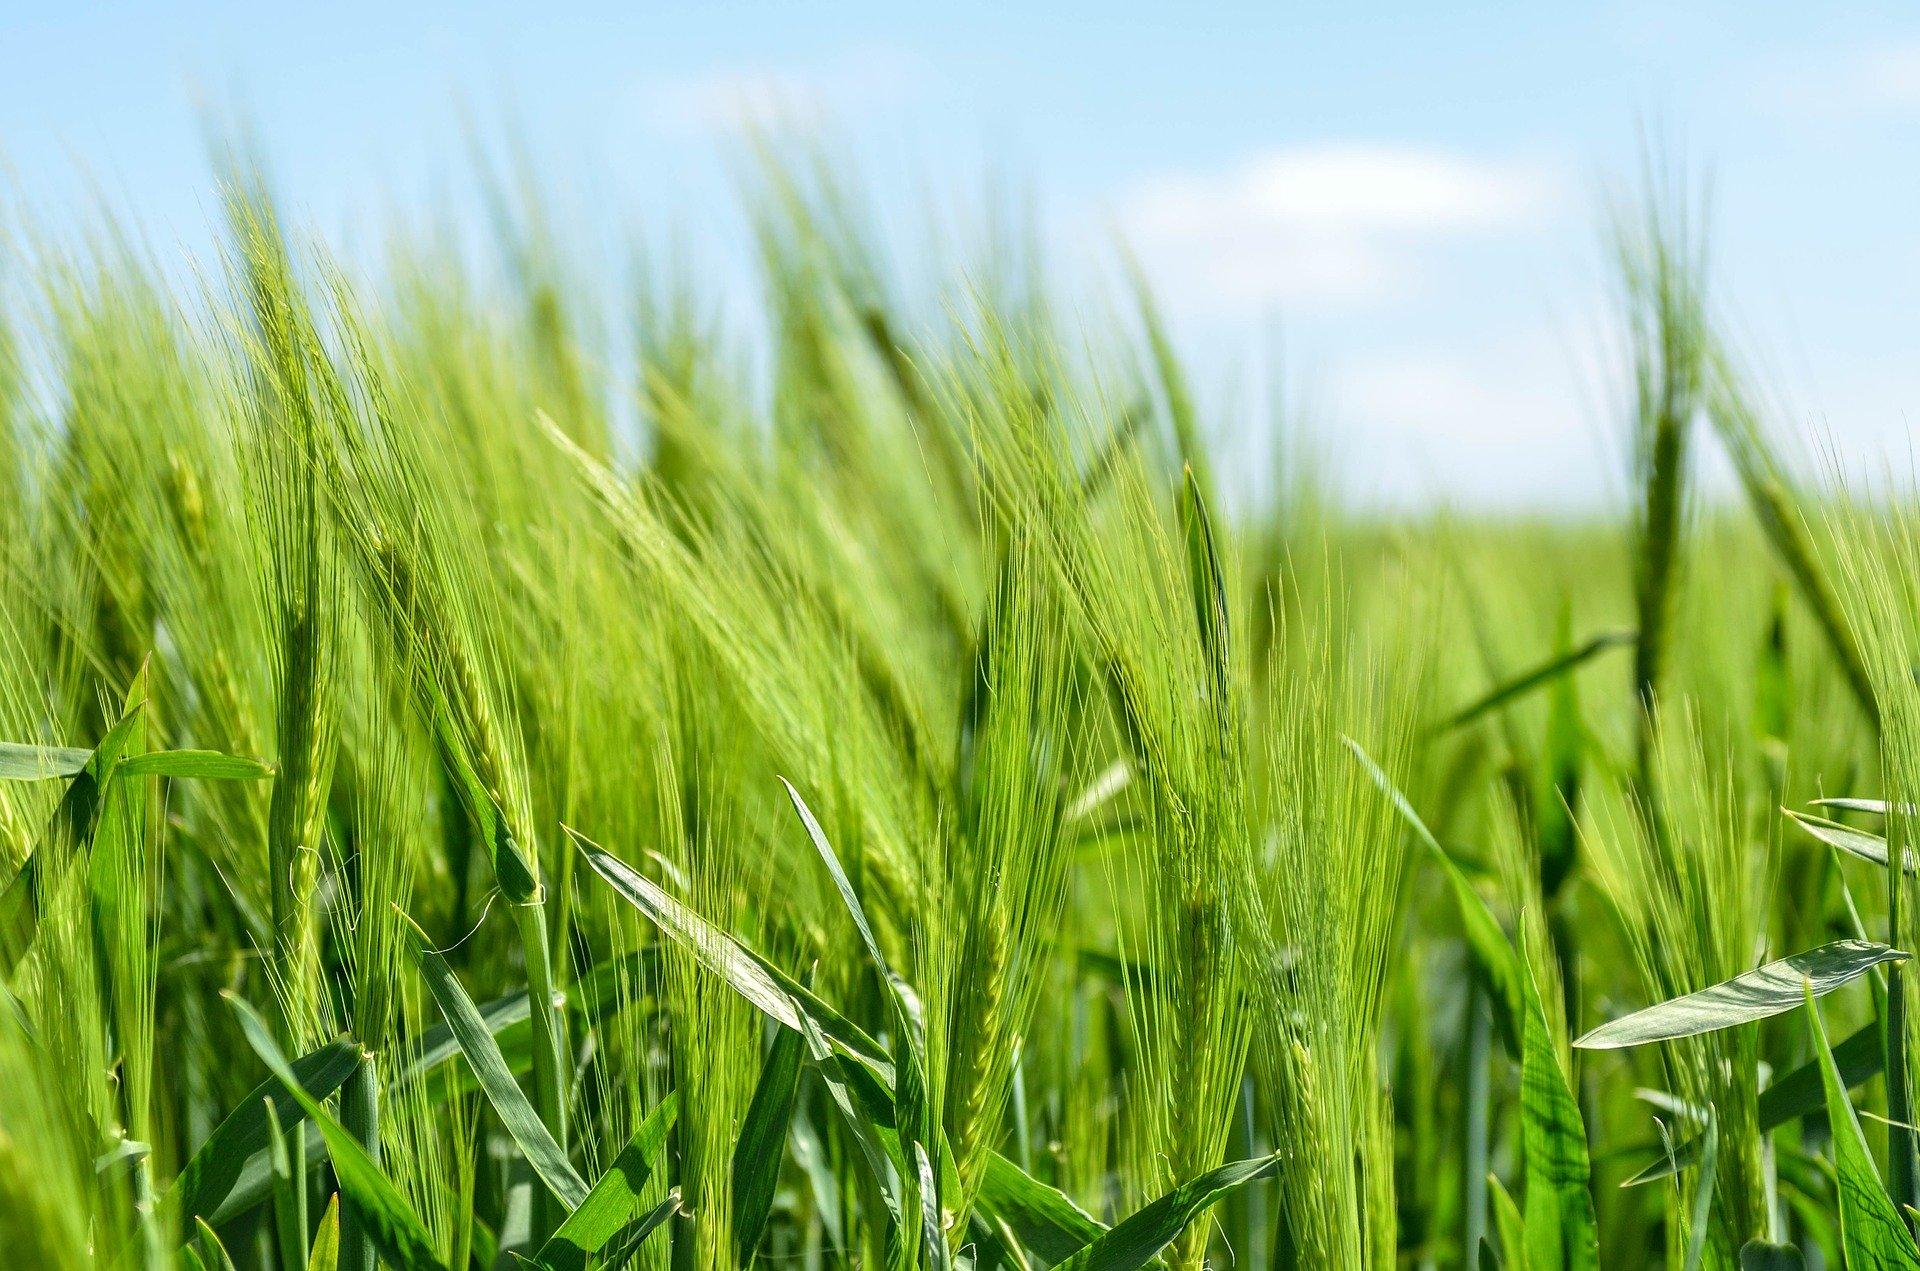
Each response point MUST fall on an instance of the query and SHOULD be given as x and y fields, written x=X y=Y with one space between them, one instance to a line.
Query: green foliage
x=1870 y=1227
x=1191 y=870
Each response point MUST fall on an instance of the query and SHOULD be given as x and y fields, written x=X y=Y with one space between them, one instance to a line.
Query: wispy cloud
x=1345 y=223
x=731 y=98
x=1889 y=75
x=1882 y=76
x=1504 y=417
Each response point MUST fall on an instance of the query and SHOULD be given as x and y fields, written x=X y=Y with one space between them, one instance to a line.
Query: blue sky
x=1406 y=194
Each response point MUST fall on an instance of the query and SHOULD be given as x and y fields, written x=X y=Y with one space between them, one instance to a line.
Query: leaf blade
x=509 y=1102
x=1561 y=1229
x=202 y=765
x=763 y=1142
x=388 y=1216
x=23 y=762
x=609 y=1206
x=1137 y=1239
x=205 y=1185
x=1870 y=1227
x=1758 y=994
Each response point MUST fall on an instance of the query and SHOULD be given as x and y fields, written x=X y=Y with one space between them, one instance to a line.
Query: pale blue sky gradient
x=1407 y=192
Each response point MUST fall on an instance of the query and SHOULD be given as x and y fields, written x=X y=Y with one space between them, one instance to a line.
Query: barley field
x=871 y=795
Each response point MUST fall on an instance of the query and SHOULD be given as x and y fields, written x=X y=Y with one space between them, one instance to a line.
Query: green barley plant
x=503 y=766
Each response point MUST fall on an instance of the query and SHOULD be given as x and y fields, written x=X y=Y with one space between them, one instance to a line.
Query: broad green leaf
x=19 y=762
x=858 y=1075
x=811 y=1154
x=914 y=1117
x=20 y=912
x=763 y=1142
x=81 y=805
x=992 y=1245
x=256 y=1179
x=1139 y=1238
x=438 y=1044
x=205 y=1186
x=203 y=765
x=326 y=1241
x=1527 y=681
x=609 y=1206
x=594 y=998
x=509 y=1102
x=1045 y=1219
x=1868 y=847
x=1759 y=994
x=1560 y=1226
x=386 y=1213
x=1871 y=1230
x=1859 y=1058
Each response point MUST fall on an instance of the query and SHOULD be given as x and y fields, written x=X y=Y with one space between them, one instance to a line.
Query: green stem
x=153 y=1245
x=360 y=1113
x=548 y=1096
x=289 y=1160
x=1479 y=1042
x=1900 y=1140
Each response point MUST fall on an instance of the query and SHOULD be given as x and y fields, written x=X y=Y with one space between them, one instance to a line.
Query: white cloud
x=1343 y=223
x=1508 y=419
x=730 y=99
x=1888 y=75
x=1883 y=76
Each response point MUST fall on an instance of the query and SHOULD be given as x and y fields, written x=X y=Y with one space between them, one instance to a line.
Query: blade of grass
x=205 y=1185
x=776 y=994
x=325 y=1255
x=608 y=1208
x=289 y=1192
x=1546 y=673
x=1759 y=994
x=1701 y=1210
x=19 y=762
x=509 y=1102
x=390 y=1218
x=763 y=1142
x=1136 y=1240
x=1870 y=1227
x=1560 y=1225
x=1868 y=847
